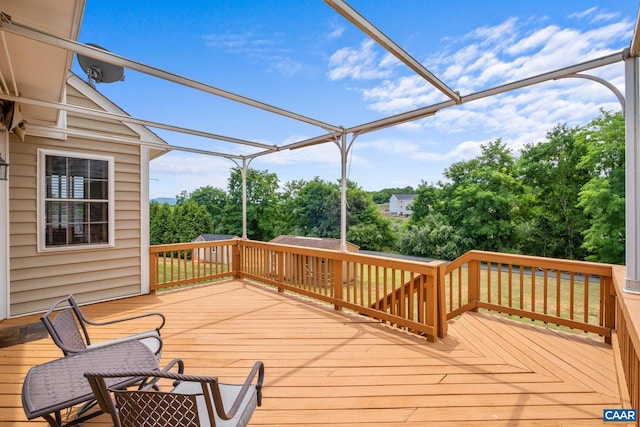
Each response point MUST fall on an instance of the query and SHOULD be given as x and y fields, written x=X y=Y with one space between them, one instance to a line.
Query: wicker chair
x=193 y=401
x=67 y=326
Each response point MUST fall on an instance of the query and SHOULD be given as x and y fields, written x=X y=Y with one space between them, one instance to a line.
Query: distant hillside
x=167 y=200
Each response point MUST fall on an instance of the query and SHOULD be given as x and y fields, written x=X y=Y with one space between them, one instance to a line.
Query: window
x=77 y=202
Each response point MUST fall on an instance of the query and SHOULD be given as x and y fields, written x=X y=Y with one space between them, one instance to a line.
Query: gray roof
x=310 y=242
x=213 y=237
x=405 y=196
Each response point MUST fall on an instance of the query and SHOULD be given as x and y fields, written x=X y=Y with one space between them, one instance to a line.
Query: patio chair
x=193 y=401
x=67 y=326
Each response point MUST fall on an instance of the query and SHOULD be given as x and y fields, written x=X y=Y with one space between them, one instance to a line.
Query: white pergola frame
x=339 y=135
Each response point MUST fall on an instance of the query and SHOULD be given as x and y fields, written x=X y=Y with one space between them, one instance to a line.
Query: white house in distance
x=400 y=204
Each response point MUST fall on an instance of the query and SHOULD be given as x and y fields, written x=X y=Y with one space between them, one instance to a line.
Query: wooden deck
x=329 y=368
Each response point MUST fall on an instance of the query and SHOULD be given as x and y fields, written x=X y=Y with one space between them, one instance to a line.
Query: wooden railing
x=421 y=297
x=353 y=281
x=627 y=339
x=348 y=281
x=574 y=294
x=189 y=263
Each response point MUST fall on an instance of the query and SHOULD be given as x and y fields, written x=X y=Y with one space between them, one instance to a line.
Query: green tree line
x=561 y=197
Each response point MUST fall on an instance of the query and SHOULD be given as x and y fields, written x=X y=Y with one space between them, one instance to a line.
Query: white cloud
x=402 y=94
x=244 y=43
x=327 y=154
x=175 y=172
x=267 y=49
x=490 y=56
x=580 y=15
x=361 y=63
x=533 y=40
x=595 y=15
x=335 y=32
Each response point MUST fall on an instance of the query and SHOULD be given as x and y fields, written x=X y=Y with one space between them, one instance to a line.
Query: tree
x=433 y=237
x=427 y=201
x=482 y=201
x=316 y=209
x=214 y=201
x=262 y=202
x=551 y=173
x=160 y=217
x=189 y=221
x=365 y=225
x=177 y=224
x=603 y=197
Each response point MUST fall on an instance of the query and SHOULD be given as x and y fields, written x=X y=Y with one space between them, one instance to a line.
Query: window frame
x=42 y=210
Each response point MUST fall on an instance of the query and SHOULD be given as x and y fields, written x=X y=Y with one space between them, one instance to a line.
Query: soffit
x=35 y=69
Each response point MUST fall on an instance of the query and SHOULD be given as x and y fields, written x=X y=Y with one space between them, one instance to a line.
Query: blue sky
x=304 y=57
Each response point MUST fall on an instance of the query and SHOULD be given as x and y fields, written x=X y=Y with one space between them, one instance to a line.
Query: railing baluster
x=558 y=292
x=586 y=298
x=488 y=282
x=500 y=283
x=545 y=290
x=534 y=272
x=510 y=285
x=521 y=287
x=572 y=285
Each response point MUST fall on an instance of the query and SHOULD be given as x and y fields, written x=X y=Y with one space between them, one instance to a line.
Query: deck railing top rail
x=569 y=266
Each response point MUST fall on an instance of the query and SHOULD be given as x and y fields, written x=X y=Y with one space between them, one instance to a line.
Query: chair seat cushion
x=229 y=393
x=149 y=338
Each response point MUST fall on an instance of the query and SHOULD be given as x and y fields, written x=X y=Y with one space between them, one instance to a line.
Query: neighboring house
x=310 y=266
x=400 y=204
x=213 y=254
x=74 y=212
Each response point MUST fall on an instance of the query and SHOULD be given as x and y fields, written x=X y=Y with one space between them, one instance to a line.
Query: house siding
x=36 y=279
x=401 y=204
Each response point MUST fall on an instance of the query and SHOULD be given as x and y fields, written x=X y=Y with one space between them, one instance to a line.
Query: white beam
x=368 y=28
x=102 y=55
x=634 y=47
x=132 y=120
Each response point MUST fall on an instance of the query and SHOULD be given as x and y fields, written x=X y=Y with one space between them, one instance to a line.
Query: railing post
x=336 y=281
x=281 y=266
x=441 y=303
x=609 y=306
x=236 y=262
x=153 y=271
x=473 y=282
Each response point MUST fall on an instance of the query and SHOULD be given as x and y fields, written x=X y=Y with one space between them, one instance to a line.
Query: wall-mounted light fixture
x=4 y=168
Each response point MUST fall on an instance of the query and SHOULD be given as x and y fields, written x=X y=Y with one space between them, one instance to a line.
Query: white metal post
x=343 y=193
x=632 y=161
x=244 y=198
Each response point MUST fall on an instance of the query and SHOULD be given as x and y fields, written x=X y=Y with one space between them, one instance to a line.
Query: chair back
x=137 y=408
x=66 y=327
x=193 y=401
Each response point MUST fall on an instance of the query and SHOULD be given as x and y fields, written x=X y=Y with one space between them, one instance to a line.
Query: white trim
x=107 y=105
x=632 y=164
x=4 y=231
x=41 y=199
x=145 y=286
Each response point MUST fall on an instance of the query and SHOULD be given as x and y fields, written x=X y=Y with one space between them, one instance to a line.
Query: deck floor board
x=330 y=368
